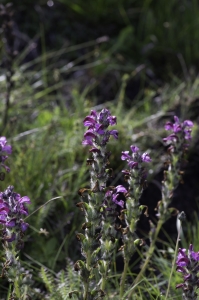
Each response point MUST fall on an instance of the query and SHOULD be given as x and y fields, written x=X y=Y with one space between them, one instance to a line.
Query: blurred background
x=140 y=59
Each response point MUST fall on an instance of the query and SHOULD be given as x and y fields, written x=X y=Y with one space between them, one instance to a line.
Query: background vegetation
x=137 y=58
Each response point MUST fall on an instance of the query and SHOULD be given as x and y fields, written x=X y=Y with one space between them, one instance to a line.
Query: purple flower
x=4 y=149
x=97 y=123
x=115 y=196
x=135 y=158
x=120 y=189
x=146 y=157
x=179 y=130
x=12 y=208
x=134 y=149
x=114 y=133
x=125 y=155
x=188 y=265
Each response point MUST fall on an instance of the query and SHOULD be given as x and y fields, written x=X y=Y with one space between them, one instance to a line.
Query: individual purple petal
x=182 y=262
x=99 y=128
x=93 y=113
x=88 y=121
x=179 y=285
x=181 y=253
x=3 y=219
x=172 y=137
x=187 y=134
x=114 y=133
x=6 y=168
x=4 y=207
x=94 y=150
x=125 y=155
x=180 y=269
x=192 y=254
x=112 y=120
x=89 y=134
x=87 y=142
x=22 y=210
x=25 y=199
x=10 y=238
x=121 y=189
x=7 y=149
x=177 y=128
x=146 y=157
x=24 y=226
x=132 y=164
x=11 y=223
x=168 y=126
x=118 y=202
x=176 y=119
x=188 y=123
x=187 y=277
x=134 y=149
x=3 y=141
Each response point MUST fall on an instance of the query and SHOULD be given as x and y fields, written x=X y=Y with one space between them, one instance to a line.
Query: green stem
x=149 y=255
x=103 y=284
x=86 y=285
x=123 y=278
x=173 y=263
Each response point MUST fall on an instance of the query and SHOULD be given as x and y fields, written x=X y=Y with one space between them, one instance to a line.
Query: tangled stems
x=177 y=141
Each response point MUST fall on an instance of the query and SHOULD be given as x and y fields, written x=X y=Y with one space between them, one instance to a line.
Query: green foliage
x=59 y=286
x=50 y=100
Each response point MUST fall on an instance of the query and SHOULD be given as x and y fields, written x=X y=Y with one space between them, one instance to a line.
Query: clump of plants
x=111 y=216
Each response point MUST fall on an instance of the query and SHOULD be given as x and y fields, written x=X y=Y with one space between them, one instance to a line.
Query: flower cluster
x=134 y=159
x=178 y=129
x=97 y=133
x=115 y=196
x=4 y=150
x=12 y=209
x=188 y=265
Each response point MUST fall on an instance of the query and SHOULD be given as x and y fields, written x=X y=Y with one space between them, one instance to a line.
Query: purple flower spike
x=188 y=265
x=97 y=134
x=180 y=131
x=12 y=209
x=136 y=158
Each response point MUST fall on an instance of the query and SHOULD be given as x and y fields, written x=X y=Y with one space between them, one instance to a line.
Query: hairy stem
x=123 y=278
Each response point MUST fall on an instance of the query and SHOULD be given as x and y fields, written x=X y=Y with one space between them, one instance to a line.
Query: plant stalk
x=123 y=278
